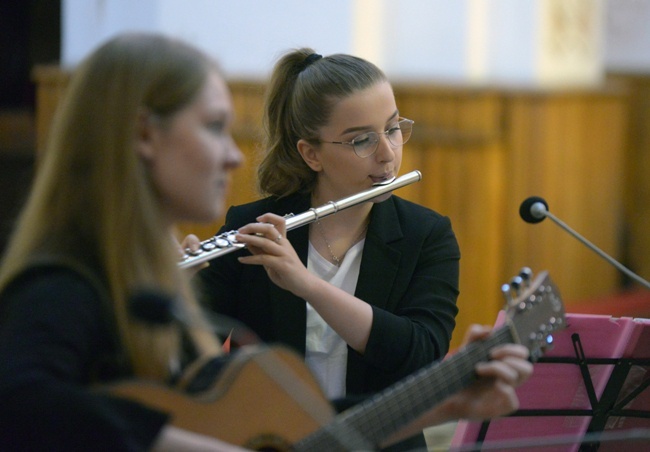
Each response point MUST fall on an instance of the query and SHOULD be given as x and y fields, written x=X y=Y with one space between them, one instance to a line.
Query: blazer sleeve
x=414 y=313
x=243 y=296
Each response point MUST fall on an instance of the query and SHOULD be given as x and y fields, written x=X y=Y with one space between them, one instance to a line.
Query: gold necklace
x=335 y=258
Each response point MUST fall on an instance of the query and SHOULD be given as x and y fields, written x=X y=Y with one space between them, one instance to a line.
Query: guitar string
x=382 y=409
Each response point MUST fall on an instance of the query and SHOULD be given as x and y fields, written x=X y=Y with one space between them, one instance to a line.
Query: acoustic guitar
x=265 y=398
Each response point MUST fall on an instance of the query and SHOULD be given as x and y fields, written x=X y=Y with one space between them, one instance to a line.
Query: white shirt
x=326 y=352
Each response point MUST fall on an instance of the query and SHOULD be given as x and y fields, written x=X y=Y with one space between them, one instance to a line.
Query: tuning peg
x=526 y=274
x=516 y=283
x=507 y=295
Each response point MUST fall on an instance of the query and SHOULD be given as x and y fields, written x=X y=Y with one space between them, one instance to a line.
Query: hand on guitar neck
x=492 y=395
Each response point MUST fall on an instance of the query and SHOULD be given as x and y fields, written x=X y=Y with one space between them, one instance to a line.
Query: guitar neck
x=388 y=411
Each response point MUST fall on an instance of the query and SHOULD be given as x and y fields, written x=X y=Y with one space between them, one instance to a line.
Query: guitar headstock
x=534 y=310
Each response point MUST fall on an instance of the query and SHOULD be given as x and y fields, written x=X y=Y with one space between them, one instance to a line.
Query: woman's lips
x=382 y=180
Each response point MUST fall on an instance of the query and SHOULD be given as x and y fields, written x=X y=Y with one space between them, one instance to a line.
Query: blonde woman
x=141 y=141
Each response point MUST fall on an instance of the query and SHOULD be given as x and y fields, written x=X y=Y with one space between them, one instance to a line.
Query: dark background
x=30 y=34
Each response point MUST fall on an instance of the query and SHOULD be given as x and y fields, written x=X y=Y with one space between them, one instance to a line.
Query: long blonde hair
x=93 y=200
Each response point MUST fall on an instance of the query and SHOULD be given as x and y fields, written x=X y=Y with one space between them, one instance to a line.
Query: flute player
x=367 y=295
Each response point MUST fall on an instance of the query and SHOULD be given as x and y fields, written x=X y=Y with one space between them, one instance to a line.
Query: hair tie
x=310 y=60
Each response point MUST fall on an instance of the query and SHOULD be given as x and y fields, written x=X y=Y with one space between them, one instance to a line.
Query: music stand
x=595 y=380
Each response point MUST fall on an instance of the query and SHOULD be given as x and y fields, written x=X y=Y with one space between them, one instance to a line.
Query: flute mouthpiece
x=384 y=182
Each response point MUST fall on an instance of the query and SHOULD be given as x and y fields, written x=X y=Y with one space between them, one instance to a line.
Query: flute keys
x=208 y=246
x=214 y=243
x=217 y=242
x=190 y=252
x=221 y=243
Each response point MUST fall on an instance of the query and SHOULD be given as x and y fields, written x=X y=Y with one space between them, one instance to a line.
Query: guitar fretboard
x=365 y=425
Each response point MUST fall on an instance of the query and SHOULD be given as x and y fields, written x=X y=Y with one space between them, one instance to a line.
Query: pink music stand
x=595 y=379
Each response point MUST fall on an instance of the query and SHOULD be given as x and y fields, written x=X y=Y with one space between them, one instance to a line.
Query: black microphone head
x=533 y=209
x=152 y=306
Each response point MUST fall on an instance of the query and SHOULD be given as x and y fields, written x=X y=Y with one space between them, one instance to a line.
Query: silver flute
x=225 y=242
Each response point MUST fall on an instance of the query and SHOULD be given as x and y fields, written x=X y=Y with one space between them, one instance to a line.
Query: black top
x=56 y=340
x=409 y=274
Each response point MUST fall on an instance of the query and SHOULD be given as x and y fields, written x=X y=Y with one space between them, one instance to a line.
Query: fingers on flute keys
x=271 y=233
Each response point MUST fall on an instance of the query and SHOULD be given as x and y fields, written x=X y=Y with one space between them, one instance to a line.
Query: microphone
x=157 y=308
x=152 y=307
x=535 y=210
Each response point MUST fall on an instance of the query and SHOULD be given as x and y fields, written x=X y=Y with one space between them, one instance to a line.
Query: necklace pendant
x=335 y=259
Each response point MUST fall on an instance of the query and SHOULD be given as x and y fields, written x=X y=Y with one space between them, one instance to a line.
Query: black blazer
x=409 y=274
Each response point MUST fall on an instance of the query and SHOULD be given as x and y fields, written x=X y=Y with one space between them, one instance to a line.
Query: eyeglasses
x=366 y=144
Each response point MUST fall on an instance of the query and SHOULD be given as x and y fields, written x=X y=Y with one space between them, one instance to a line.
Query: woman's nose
x=385 y=150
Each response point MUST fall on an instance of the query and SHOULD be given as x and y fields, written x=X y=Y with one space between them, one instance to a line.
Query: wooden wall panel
x=568 y=149
x=481 y=153
x=457 y=140
x=50 y=86
x=637 y=172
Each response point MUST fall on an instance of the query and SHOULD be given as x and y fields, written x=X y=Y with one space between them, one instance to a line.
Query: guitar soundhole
x=268 y=442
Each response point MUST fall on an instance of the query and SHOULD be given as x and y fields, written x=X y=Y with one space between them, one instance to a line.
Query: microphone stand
x=538 y=210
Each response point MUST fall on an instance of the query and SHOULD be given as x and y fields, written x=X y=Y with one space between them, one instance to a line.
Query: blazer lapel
x=376 y=279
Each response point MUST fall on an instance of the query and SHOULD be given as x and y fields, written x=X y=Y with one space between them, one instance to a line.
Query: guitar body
x=265 y=399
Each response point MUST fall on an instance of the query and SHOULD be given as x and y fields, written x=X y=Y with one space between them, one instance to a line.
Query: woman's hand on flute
x=191 y=242
x=267 y=242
